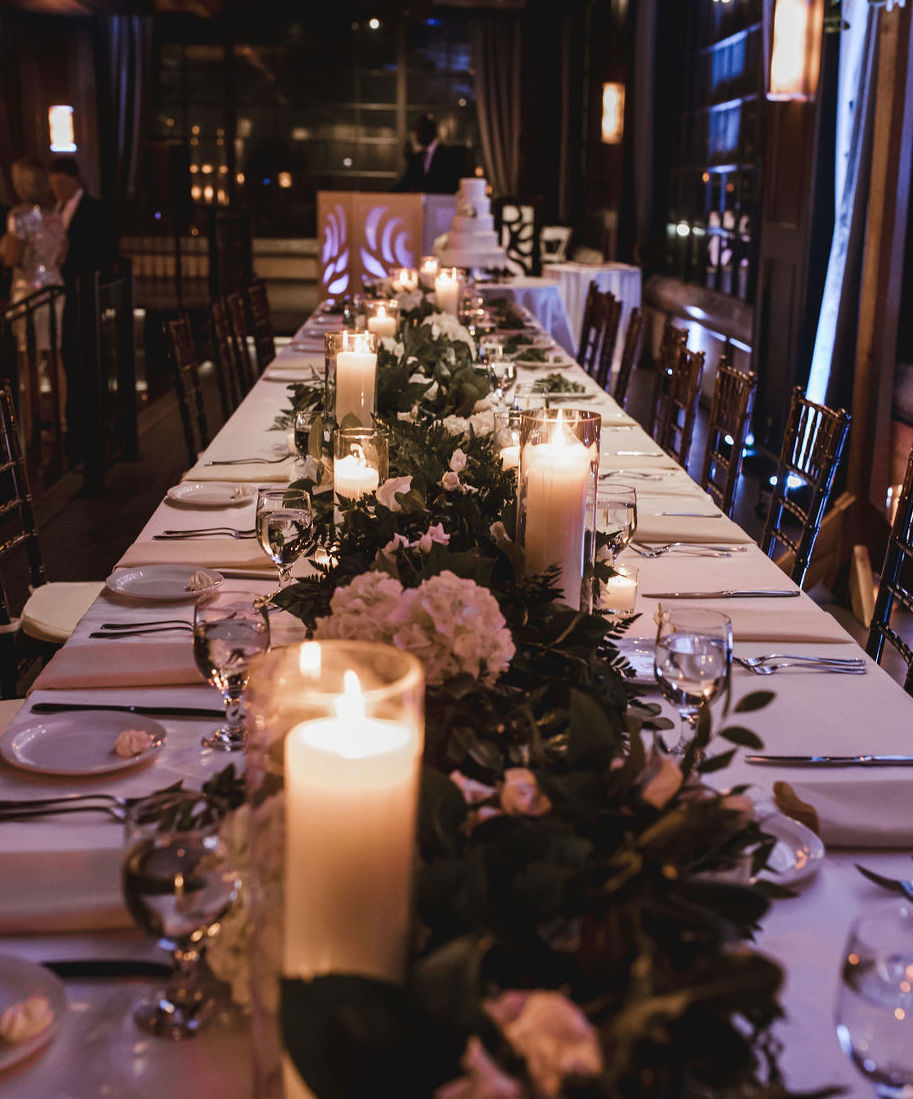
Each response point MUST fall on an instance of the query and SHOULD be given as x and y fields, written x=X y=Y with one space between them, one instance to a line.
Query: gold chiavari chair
x=611 y=322
x=628 y=357
x=730 y=413
x=894 y=588
x=261 y=323
x=228 y=373
x=187 y=386
x=812 y=447
x=673 y=345
x=238 y=316
x=675 y=428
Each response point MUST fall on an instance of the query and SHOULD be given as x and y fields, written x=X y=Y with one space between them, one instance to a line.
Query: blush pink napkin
x=120 y=664
x=211 y=553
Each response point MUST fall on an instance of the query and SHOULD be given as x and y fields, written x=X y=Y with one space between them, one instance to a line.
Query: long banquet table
x=60 y=894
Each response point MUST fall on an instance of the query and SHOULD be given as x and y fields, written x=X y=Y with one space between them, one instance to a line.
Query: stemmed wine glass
x=616 y=516
x=284 y=522
x=229 y=629
x=874 y=1013
x=502 y=370
x=691 y=662
x=178 y=882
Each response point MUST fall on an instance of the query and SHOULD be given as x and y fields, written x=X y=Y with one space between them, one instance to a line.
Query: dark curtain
x=496 y=53
x=124 y=60
x=11 y=134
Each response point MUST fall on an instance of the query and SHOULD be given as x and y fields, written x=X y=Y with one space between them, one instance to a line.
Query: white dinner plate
x=160 y=583
x=798 y=853
x=552 y=363
x=78 y=743
x=211 y=494
x=20 y=979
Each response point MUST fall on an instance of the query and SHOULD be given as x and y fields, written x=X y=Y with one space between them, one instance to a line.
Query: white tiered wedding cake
x=472 y=241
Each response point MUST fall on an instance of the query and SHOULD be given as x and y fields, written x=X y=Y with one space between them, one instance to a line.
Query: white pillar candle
x=556 y=476
x=382 y=324
x=447 y=293
x=356 y=377
x=351 y=797
x=619 y=592
x=353 y=477
x=405 y=280
x=510 y=457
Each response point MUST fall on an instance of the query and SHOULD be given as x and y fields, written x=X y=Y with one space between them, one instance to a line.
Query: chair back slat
x=228 y=375
x=730 y=414
x=894 y=588
x=675 y=428
x=238 y=317
x=597 y=316
x=261 y=323
x=606 y=356
x=812 y=448
x=17 y=530
x=187 y=386
x=671 y=349
x=628 y=357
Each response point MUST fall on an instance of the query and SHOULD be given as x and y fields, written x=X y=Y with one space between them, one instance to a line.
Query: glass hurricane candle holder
x=337 y=730
x=507 y=437
x=428 y=271
x=360 y=460
x=448 y=289
x=617 y=595
x=556 y=498
x=351 y=375
x=382 y=317
x=404 y=280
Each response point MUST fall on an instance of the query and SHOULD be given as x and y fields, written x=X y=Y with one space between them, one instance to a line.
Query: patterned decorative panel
x=363 y=235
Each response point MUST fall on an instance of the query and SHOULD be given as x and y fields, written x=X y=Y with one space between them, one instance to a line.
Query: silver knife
x=731 y=593
x=834 y=761
x=684 y=514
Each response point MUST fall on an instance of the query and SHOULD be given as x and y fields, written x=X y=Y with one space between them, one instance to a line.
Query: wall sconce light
x=795 y=56
x=60 y=126
x=613 y=113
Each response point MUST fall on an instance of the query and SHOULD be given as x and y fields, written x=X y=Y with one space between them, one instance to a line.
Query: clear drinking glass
x=229 y=629
x=874 y=1013
x=527 y=395
x=616 y=516
x=692 y=661
x=284 y=524
x=177 y=884
x=502 y=370
x=304 y=421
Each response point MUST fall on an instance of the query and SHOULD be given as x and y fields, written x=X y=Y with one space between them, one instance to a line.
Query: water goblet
x=501 y=369
x=616 y=516
x=178 y=882
x=691 y=662
x=874 y=1012
x=304 y=421
x=229 y=629
x=284 y=524
x=528 y=395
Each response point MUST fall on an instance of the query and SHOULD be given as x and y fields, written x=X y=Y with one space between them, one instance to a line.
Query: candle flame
x=350 y=704
x=381 y=313
x=561 y=433
x=358 y=453
x=309 y=660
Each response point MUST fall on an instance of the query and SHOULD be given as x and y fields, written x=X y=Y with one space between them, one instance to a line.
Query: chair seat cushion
x=53 y=611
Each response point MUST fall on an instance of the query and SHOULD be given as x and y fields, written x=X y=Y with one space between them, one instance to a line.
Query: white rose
x=386 y=493
x=520 y=794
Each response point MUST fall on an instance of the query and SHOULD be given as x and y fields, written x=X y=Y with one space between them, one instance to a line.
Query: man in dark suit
x=90 y=247
x=433 y=168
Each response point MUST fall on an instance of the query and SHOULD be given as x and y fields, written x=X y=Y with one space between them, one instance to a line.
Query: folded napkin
x=252 y=472
x=774 y=624
x=145 y=663
x=858 y=809
x=297 y=360
x=684 y=528
x=211 y=553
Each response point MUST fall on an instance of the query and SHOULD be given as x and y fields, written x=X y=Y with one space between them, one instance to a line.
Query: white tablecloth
x=542 y=298
x=574 y=281
x=59 y=875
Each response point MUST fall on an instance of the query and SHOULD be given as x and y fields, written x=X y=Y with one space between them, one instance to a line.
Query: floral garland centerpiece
x=583 y=900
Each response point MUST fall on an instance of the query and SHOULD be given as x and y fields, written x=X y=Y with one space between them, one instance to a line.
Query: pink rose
x=483 y=1079
x=472 y=790
x=520 y=794
x=451 y=481
x=386 y=493
x=663 y=779
x=458 y=461
x=551 y=1034
x=433 y=534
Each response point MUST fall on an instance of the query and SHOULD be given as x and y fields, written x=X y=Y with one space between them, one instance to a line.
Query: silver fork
x=177 y=535
x=212 y=530
x=753 y=661
x=772 y=669
x=116 y=812
x=144 y=625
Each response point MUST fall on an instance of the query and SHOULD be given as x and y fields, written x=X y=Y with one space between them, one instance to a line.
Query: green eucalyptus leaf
x=757 y=700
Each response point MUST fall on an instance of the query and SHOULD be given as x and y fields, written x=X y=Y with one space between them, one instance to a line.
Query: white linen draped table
x=623 y=279
x=541 y=296
x=61 y=874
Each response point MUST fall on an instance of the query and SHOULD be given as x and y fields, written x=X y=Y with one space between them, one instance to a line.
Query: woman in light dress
x=34 y=246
